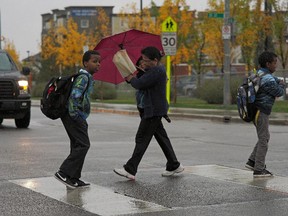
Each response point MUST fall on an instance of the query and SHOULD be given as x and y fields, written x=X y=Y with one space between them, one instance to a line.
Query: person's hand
x=128 y=78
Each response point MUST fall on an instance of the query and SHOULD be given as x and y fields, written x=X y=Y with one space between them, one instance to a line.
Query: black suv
x=15 y=98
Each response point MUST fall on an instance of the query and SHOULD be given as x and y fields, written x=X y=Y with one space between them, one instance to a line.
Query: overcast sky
x=21 y=19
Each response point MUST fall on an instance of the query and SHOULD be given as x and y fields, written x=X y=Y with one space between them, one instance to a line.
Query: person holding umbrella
x=155 y=106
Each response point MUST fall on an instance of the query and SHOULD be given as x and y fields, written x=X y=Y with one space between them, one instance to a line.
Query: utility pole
x=141 y=14
x=268 y=39
x=0 y=32
x=226 y=40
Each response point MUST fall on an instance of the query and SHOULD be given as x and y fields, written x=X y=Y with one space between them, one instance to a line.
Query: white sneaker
x=124 y=173
x=170 y=173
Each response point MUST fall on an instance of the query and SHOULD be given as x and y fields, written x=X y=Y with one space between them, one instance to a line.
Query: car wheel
x=23 y=122
x=1 y=120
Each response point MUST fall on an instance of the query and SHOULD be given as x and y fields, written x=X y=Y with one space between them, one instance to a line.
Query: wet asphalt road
x=37 y=152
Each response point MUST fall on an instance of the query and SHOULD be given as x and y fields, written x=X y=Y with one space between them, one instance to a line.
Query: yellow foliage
x=102 y=29
x=71 y=44
x=10 y=48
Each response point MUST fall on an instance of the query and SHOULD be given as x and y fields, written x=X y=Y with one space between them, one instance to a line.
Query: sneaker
x=250 y=165
x=80 y=184
x=124 y=173
x=170 y=173
x=262 y=173
x=65 y=180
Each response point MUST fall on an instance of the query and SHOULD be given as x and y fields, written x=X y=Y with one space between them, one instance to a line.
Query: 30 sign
x=169 y=36
x=169 y=42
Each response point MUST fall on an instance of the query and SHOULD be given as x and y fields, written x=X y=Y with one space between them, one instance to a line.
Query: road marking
x=95 y=199
x=240 y=176
x=104 y=201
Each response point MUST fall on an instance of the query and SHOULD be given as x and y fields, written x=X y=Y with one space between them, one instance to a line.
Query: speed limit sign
x=169 y=36
x=169 y=42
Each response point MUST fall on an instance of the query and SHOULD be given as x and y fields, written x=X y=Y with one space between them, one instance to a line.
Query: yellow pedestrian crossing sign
x=169 y=25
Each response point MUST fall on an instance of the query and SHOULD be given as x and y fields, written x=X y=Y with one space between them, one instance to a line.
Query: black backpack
x=246 y=95
x=56 y=94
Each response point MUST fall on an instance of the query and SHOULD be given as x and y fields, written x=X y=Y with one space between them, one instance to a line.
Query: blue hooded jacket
x=269 y=89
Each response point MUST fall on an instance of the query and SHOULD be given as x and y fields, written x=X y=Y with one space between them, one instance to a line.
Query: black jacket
x=153 y=83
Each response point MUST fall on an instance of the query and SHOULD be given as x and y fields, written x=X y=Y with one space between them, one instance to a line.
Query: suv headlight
x=23 y=84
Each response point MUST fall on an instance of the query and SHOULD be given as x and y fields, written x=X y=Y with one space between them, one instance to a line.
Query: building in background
x=85 y=16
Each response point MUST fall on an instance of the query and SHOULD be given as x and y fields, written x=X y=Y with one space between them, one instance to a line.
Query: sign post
x=169 y=43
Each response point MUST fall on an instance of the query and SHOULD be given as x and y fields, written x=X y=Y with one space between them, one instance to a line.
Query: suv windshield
x=6 y=64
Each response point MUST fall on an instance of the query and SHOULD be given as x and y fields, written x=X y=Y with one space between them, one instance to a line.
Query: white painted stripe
x=95 y=199
x=240 y=176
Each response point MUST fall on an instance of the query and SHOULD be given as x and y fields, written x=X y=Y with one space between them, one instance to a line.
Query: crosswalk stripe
x=104 y=201
x=95 y=199
x=240 y=176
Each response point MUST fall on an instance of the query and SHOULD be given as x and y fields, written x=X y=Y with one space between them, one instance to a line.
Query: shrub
x=211 y=91
x=104 y=91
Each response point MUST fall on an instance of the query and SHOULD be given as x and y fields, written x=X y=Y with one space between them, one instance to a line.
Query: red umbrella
x=133 y=41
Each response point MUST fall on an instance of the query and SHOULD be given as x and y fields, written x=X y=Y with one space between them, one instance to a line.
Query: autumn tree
x=10 y=48
x=212 y=29
x=71 y=43
x=102 y=29
x=141 y=20
x=280 y=31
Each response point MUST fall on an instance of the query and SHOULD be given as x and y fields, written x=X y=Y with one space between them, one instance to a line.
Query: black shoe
x=251 y=164
x=262 y=173
x=80 y=184
x=65 y=180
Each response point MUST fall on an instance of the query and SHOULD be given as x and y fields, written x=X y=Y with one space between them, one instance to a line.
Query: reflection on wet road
x=104 y=201
x=95 y=199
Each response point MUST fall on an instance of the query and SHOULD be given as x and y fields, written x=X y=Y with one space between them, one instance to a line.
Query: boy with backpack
x=270 y=87
x=74 y=121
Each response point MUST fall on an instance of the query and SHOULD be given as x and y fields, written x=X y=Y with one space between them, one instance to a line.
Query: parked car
x=190 y=89
x=15 y=98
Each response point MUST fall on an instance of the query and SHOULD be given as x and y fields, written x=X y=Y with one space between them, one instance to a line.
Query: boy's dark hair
x=87 y=55
x=152 y=53
x=265 y=57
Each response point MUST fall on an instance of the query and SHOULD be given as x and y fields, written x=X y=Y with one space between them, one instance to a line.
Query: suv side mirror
x=26 y=71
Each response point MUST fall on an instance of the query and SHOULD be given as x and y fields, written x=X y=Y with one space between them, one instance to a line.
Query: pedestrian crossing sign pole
x=169 y=43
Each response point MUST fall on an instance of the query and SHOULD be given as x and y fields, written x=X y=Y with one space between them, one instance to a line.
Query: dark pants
x=79 y=145
x=146 y=130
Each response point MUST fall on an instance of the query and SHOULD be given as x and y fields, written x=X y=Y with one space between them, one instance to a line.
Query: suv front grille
x=6 y=89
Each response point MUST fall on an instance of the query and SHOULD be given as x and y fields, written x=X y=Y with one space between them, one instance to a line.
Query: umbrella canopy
x=133 y=41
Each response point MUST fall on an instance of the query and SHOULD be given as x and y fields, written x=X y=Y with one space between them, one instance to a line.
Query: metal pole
x=141 y=14
x=226 y=89
x=0 y=32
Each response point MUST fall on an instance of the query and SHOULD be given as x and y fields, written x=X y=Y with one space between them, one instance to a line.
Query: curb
x=182 y=113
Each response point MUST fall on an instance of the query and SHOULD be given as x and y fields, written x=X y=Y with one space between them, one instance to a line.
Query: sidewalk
x=208 y=114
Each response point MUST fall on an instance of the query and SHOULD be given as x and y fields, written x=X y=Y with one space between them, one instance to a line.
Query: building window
x=47 y=25
x=84 y=23
x=60 y=22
